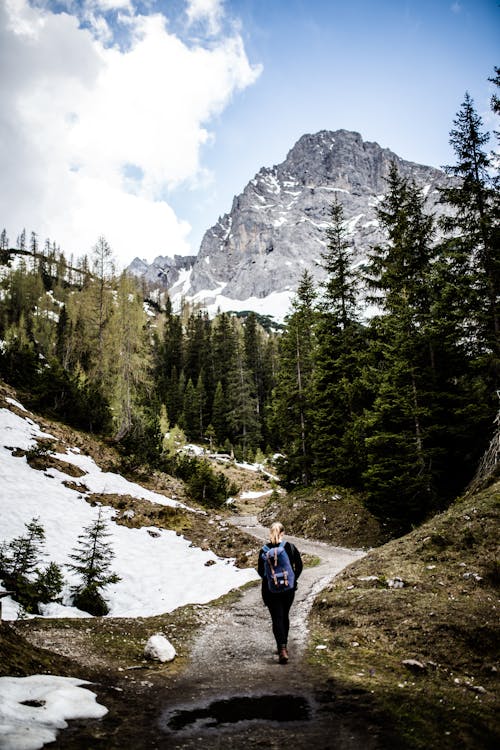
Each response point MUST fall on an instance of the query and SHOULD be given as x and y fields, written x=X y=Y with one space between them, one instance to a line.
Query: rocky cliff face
x=276 y=226
x=163 y=271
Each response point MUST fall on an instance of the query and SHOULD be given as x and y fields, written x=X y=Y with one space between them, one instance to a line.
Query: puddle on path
x=228 y=711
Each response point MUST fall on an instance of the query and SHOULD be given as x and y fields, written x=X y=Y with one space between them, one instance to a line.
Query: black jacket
x=295 y=561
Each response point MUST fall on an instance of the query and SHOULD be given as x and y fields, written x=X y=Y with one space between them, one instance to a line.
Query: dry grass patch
x=332 y=515
x=416 y=623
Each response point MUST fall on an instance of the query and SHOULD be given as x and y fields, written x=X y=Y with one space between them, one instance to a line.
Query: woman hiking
x=280 y=566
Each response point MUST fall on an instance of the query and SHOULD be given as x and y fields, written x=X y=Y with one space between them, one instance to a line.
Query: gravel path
x=233 y=665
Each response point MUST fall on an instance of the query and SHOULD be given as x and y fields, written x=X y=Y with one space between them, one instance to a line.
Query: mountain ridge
x=275 y=228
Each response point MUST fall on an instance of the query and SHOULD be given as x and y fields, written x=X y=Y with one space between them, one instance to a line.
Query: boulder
x=159 y=648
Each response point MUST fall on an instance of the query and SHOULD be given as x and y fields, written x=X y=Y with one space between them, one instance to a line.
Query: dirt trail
x=233 y=666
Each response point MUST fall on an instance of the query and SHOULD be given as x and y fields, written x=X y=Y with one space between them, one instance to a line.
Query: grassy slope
x=331 y=515
x=445 y=617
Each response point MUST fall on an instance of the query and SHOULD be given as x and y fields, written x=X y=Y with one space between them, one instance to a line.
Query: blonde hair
x=275 y=532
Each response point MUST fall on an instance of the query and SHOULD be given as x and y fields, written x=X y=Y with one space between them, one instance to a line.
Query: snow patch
x=107 y=483
x=181 y=286
x=332 y=189
x=350 y=224
x=56 y=699
x=277 y=304
x=148 y=310
x=251 y=495
x=319 y=224
x=272 y=183
x=158 y=572
x=279 y=222
x=16 y=404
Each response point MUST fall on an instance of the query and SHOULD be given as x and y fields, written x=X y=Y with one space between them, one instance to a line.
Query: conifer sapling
x=92 y=561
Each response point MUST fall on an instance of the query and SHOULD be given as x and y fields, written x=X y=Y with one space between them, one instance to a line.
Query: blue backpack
x=279 y=572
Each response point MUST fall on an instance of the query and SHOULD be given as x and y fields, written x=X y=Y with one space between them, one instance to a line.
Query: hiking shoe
x=283 y=656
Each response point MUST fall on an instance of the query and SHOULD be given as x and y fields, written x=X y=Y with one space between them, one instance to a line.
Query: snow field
x=159 y=573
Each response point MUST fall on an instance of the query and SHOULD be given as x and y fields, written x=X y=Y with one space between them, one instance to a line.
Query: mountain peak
x=276 y=227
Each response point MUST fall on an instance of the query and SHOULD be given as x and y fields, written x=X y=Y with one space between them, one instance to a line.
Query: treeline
x=399 y=407
x=105 y=354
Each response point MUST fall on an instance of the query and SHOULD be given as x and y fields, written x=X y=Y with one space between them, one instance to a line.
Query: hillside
x=61 y=477
x=402 y=648
x=413 y=627
x=402 y=645
x=327 y=514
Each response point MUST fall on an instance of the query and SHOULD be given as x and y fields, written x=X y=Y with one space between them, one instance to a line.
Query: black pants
x=279 y=608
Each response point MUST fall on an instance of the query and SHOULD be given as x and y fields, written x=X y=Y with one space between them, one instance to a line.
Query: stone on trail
x=395 y=583
x=159 y=648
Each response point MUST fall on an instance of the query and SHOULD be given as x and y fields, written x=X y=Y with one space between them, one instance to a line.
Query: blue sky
x=142 y=120
x=394 y=71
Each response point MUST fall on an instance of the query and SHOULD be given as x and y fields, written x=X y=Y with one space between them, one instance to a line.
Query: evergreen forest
x=398 y=406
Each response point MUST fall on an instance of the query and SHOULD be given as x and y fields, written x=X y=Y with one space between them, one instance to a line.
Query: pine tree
x=26 y=552
x=44 y=331
x=341 y=285
x=219 y=412
x=293 y=396
x=21 y=241
x=197 y=346
x=242 y=415
x=338 y=444
x=62 y=338
x=224 y=349
x=49 y=583
x=474 y=224
x=495 y=99
x=399 y=271
x=191 y=412
x=92 y=563
x=207 y=486
x=101 y=302
x=254 y=357
x=174 y=396
x=259 y=354
x=170 y=363
x=128 y=360
x=403 y=418
x=19 y=561
x=34 y=244
x=5 y=560
x=23 y=294
x=4 y=240
x=201 y=401
x=210 y=436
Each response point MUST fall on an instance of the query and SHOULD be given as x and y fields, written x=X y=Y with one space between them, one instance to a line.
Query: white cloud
x=93 y=135
x=113 y=4
x=209 y=11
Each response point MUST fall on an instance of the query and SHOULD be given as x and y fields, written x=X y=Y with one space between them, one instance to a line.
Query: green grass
x=445 y=617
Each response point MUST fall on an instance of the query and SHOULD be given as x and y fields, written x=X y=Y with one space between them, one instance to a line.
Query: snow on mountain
x=255 y=255
x=163 y=270
x=158 y=573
